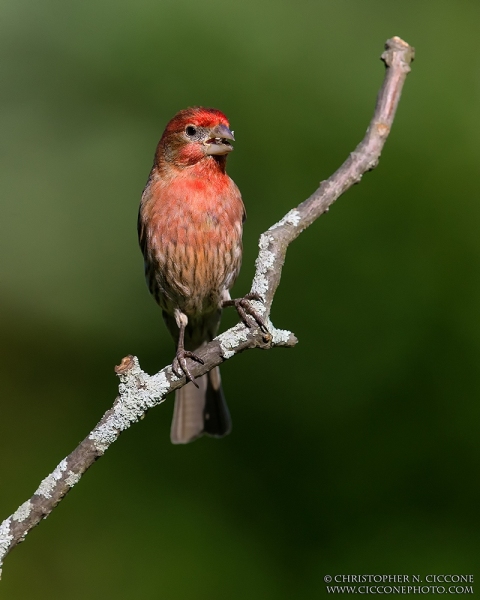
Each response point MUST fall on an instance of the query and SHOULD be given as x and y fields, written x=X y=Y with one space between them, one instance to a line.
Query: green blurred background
x=355 y=452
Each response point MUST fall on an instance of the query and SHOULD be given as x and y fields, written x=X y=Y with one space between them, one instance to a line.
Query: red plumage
x=190 y=233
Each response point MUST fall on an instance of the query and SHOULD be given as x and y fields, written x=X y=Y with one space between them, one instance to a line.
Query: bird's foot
x=246 y=311
x=180 y=367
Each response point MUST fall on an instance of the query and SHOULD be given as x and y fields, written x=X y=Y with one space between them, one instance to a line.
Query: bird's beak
x=218 y=141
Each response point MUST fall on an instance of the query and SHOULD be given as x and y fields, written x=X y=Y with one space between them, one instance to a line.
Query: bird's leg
x=179 y=364
x=246 y=311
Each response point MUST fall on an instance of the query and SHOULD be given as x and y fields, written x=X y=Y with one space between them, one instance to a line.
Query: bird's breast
x=193 y=241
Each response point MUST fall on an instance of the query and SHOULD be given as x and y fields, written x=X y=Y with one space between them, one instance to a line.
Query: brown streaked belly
x=193 y=276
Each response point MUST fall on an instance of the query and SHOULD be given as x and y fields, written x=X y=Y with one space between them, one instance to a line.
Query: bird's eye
x=190 y=130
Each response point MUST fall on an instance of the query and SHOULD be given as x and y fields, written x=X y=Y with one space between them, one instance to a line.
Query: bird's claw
x=246 y=311
x=180 y=367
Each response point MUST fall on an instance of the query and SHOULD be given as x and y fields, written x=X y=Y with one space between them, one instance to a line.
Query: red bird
x=190 y=232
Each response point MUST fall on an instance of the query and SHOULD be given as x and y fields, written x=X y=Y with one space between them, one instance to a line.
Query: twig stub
x=126 y=364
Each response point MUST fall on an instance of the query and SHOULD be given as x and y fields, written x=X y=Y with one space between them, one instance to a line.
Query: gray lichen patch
x=226 y=353
x=280 y=337
x=104 y=435
x=231 y=339
x=72 y=478
x=158 y=387
x=47 y=486
x=293 y=217
x=22 y=512
x=5 y=538
x=138 y=393
x=263 y=264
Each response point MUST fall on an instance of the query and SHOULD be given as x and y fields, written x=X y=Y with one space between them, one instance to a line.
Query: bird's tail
x=200 y=410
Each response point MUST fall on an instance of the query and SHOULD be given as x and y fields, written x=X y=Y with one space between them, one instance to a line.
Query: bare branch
x=138 y=391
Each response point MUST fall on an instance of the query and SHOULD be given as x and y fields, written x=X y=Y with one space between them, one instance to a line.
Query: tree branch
x=138 y=391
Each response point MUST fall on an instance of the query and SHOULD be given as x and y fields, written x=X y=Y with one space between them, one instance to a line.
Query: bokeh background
x=357 y=451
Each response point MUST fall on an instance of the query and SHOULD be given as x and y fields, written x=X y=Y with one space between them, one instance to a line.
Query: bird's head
x=193 y=135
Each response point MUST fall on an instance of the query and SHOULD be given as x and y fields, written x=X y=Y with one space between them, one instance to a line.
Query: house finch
x=190 y=232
